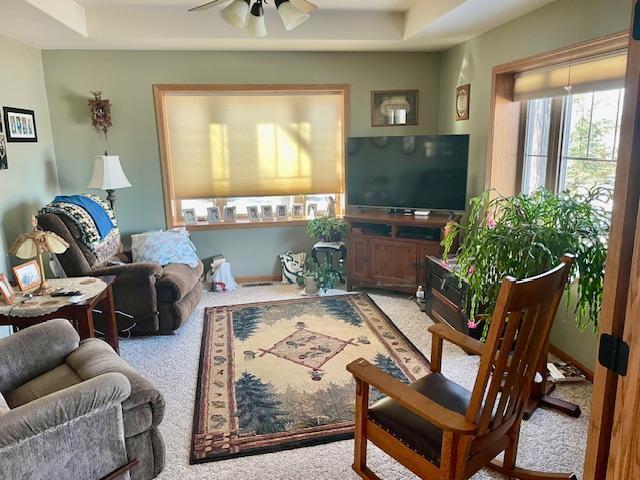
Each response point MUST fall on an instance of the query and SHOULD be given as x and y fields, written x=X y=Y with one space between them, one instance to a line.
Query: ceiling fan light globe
x=236 y=13
x=290 y=15
x=256 y=24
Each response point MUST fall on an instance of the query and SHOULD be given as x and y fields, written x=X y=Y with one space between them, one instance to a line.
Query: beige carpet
x=549 y=440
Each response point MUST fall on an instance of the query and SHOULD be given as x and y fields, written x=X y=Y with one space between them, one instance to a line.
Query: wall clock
x=463 y=96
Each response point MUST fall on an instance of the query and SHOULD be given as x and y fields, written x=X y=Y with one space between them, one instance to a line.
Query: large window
x=250 y=145
x=571 y=115
x=571 y=142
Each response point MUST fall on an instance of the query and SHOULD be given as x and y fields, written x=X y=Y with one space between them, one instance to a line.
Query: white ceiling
x=387 y=5
x=338 y=25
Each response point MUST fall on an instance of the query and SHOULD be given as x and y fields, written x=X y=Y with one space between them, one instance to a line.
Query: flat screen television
x=426 y=172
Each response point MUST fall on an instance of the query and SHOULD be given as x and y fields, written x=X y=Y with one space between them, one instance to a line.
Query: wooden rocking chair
x=439 y=430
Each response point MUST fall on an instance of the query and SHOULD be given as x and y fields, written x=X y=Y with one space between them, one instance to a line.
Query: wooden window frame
x=171 y=204
x=504 y=157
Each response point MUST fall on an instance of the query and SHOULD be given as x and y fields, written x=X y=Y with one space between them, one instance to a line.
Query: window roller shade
x=226 y=144
x=602 y=73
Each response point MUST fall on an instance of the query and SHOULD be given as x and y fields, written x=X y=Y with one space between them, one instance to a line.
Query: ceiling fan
x=240 y=13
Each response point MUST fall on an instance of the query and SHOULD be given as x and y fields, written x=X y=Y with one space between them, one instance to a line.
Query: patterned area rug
x=273 y=375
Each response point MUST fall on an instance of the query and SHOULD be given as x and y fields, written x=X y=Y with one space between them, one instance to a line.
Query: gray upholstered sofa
x=159 y=298
x=77 y=410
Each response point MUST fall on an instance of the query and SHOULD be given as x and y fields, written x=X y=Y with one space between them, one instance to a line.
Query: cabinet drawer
x=442 y=311
x=447 y=286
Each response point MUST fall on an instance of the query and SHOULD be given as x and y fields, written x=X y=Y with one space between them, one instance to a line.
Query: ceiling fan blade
x=304 y=5
x=204 y=6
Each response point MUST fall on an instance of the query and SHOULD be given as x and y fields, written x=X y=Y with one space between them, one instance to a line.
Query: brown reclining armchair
x=160 y=299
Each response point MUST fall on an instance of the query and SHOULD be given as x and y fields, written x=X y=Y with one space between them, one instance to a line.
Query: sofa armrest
x=134 y=290
x=63 y=406
x=94 y=358
x=130 y=270
x=35 y=350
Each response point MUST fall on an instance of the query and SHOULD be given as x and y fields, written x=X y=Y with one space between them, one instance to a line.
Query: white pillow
x=4 y=408
x=164 y=248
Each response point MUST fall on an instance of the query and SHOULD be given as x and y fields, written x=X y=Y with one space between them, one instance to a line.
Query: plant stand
x=541 y=394
x=329 y=249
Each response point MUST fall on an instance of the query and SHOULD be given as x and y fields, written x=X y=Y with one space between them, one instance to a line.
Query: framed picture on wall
x=4 y=163
x=394 y=108
x=463 y=97
x=20 y=124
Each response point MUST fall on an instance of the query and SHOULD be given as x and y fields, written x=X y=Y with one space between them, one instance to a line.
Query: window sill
x=244 y=223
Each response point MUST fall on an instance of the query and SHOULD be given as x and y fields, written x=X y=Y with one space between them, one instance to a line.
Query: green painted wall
x=561 y=23
x=126 y=78
x=31 y=178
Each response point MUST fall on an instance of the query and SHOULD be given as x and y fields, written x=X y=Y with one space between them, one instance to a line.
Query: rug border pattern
x=311 y=436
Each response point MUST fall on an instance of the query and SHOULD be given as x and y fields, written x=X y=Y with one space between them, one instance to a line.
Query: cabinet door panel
x=357 y=257
x=393 y=262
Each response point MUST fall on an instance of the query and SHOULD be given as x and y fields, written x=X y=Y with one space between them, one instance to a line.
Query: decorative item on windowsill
x=241 y=14
x=107 y=171
x=34 y=244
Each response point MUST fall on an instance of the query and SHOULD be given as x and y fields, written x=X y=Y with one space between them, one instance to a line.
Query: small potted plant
x=327 y=229
x=319 y=277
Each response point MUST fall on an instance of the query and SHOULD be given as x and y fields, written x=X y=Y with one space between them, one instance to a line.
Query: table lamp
x=34 y=244
x=108 y=176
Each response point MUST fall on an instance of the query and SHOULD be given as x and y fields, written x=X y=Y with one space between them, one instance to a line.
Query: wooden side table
x=81 y=314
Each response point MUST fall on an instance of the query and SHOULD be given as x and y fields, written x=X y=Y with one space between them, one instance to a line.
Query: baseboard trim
x=565 y=357
x=258 y=278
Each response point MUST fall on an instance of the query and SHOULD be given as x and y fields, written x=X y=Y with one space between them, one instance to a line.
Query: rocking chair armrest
x=411 y=399
x=452 y=335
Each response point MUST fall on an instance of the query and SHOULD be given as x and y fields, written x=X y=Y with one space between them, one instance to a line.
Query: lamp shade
x=256 y=24
x=108 y=174
x=32 y=244
x=235 y=14
x=290 y=15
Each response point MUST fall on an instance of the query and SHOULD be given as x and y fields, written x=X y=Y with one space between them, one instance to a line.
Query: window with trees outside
x=586 y=134
x=243 y=146
x=570 y=134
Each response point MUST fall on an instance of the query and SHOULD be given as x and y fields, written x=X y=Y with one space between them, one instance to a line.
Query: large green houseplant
x=526 y=235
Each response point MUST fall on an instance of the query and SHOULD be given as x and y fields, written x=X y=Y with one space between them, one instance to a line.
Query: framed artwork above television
x=394 y=108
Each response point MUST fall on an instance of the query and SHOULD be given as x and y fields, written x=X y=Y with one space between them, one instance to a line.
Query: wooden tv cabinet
x=389 y=251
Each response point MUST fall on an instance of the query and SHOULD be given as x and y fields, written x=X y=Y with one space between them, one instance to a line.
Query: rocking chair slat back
x=517 y=337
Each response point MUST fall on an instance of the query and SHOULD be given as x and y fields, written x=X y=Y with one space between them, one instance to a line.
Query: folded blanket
x=94 y=209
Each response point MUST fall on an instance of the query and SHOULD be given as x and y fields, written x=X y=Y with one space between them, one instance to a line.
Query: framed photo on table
x=282 y=212
x=252 y=212
x=298 y=210
x=267 y=212
x=20 y=124
x=27 y=276
x=189 y=215
x=213 y=214
x=229 y=214
x=7 y=295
